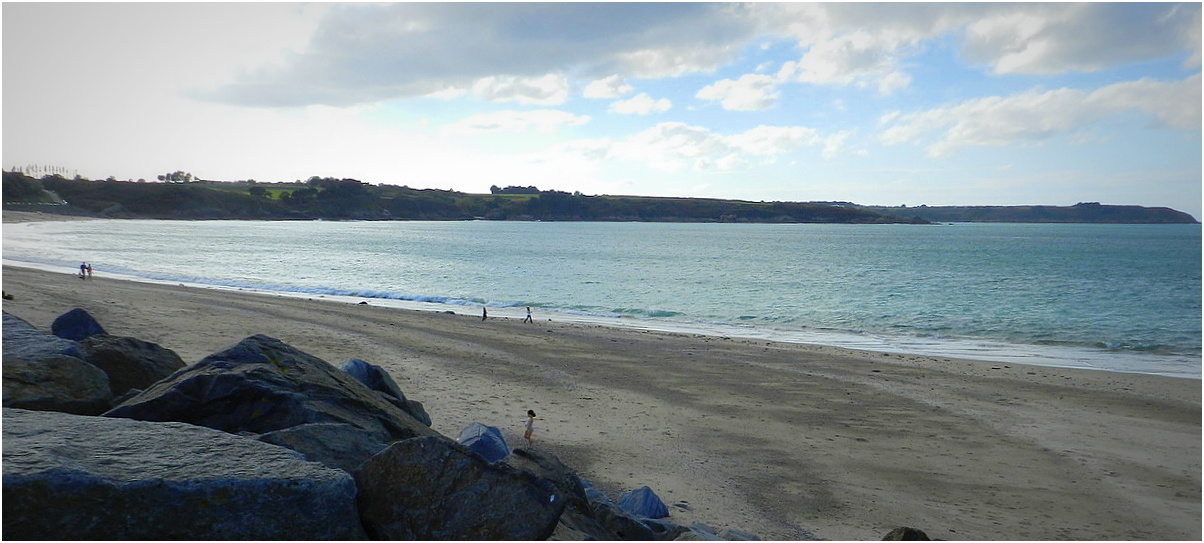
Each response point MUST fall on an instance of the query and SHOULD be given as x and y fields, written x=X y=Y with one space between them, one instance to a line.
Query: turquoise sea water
x=1118 y=297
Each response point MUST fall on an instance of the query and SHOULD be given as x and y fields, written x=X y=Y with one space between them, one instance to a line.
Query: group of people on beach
x=527 y=319
x=85 y=270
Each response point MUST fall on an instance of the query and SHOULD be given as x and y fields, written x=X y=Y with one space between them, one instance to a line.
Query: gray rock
x=643 y=503
x=75 y=325
x=262 y=385
x=130 y=363
x=905 y=533
x=22 y=339
x=55 y=383
x=486 y=441
x=73 y=477
x=578 y=520
x=336 y=445
x=376 y=378
x=432 y=488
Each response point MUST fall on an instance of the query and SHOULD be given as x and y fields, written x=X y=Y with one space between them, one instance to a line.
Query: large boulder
x=262 y=385
x=75 y=325
x=486 y=441
x=336 y=445
x=432 y=488
x=376 y=378
x=22 y=339
x=55 y=383
x=583 y=518
x=48 y=373
x=129 y=362
x=73 y=477
x=643 y=503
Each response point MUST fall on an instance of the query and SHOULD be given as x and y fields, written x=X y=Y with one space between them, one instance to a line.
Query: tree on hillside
x=177 y=177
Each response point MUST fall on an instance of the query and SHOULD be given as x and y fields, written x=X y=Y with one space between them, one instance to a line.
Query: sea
x=1122 y=298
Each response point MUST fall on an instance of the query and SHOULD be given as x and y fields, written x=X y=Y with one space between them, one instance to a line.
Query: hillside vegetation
x=1087 y=212
x=349 y=199
x=330 y=198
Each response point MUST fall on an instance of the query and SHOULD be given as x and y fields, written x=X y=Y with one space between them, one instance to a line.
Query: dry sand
x=786 y=441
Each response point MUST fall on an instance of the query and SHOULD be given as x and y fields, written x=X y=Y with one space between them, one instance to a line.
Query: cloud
x=752 y=92
x=366 y=53
x=547 y=90
x=544 y=121
x=859 y=58
x=867 y=44
x=608 y=87
x=641 y=104
x=676 y=146
x=1037 y=115
x=1055 y=38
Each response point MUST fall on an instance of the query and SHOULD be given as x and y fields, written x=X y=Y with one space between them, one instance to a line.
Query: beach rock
x=22 y=339
x=75 y=325
x=130 y=363
x=55 y=383
x=615 y=520
x=48 y=373
x=262 y=385
x=486 y=441
x=431 y=488
x=376 y=378
x=643 y=503
x=905 y=533
x=95 y=478
x=578 y=521
x=336 y=445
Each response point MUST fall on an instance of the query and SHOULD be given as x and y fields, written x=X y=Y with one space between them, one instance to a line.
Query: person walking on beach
x=83 y=270
x=528 y=319
x=530 y=427
x=89 y=271
x=484 y=314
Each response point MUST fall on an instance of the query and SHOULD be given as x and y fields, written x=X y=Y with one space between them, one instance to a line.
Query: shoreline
x=981 y=350
x=783 y=440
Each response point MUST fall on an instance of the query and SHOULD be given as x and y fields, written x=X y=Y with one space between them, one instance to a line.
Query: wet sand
x=786 y=441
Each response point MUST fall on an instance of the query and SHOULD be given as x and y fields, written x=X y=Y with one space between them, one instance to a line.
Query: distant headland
x=179 y=196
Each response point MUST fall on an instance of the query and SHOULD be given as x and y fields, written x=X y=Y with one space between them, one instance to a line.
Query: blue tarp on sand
x=643 y=503
x=484 y=440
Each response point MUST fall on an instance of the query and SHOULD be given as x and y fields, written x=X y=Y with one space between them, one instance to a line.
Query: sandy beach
x=786 y=441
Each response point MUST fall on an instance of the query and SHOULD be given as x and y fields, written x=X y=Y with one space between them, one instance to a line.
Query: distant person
x=83 y=270
x=528 y=319
x=530 y=428
x=484 y=314
x=89 y=271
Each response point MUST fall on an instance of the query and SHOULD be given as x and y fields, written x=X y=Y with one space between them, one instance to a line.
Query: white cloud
x=1037 y=115
x=641 y=104
x=375 y=52
x=676 y=147
x=544 y=121
x=547 y=90
x=752 y=92
x=1055 y=38
x=866 y=44
x=608 y=87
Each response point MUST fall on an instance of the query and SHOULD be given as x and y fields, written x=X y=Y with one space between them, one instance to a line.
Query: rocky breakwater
x=262 y=441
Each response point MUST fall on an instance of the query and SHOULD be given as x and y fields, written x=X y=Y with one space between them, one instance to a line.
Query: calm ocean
x=1116 y=297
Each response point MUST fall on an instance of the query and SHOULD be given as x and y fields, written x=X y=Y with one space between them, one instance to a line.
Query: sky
x=878 y=104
